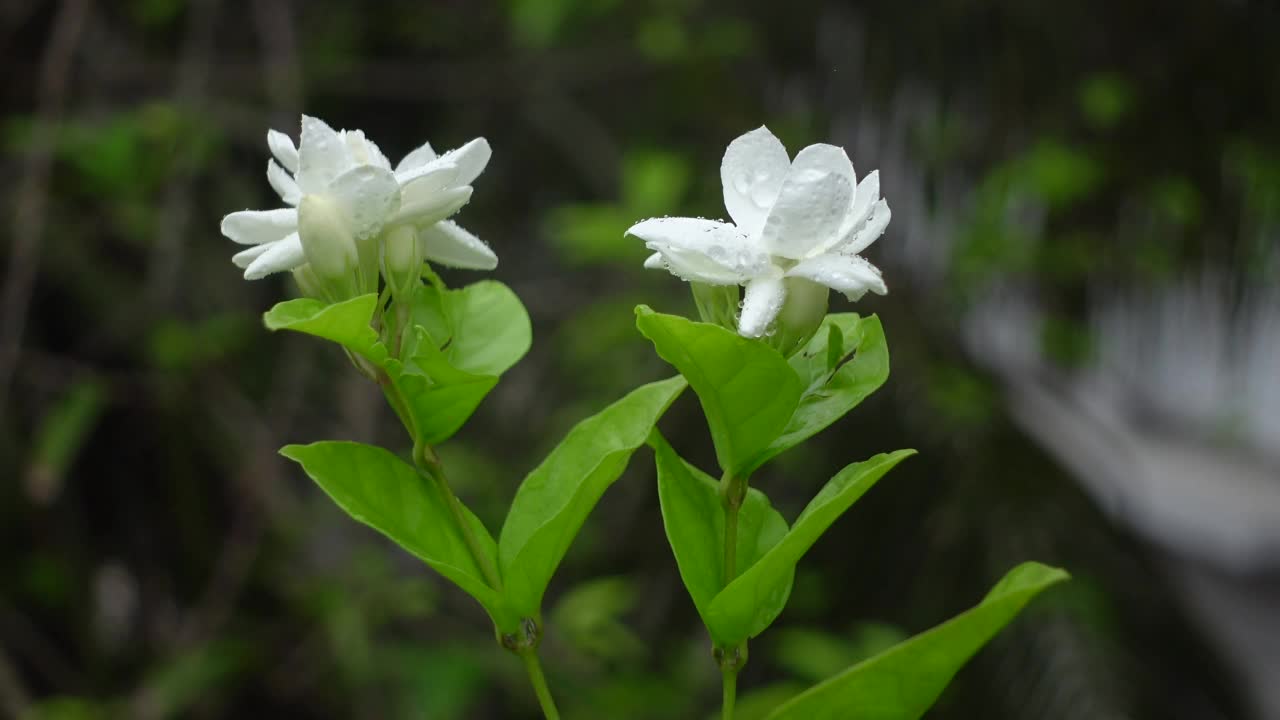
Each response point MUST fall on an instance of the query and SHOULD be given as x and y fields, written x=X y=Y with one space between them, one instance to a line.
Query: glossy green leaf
x=904 y=681
x=738 y=608
x=482 y=329
x=346 y=322
x=440 y=397
x=382 y=491
x=556 y=497
x=747 y=390
x=694 y=520
x=860 y=367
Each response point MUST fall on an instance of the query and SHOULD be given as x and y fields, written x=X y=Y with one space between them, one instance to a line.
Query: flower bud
x=328 y=244
x=717 y=304
x=402 y=259
x=307 y=282
x=801 y=315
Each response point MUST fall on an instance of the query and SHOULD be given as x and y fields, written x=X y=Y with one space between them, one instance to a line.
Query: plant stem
x=430 y=466
x=730 y=542
x=730 y=675
x=539 y=682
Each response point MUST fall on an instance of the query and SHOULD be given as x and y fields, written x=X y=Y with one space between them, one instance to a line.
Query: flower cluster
x=349 y=213
x=797 y=229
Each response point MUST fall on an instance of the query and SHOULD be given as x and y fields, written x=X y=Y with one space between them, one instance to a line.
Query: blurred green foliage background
x=160 y=561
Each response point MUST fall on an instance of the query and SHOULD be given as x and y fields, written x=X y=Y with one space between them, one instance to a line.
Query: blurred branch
x=193 y=73
x=33 y=190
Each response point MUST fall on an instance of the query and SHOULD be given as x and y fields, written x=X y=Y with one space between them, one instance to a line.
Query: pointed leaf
x=862 y=367
x=904 y=681
x=556 y=497
x=440 y=397
x=694 y=520
x=387 y=494
x=491 y=329
x=747 y=390
x=346 y=322
x=739 y=609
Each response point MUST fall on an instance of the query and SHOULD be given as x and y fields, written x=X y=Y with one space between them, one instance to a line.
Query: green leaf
x=346 y=322
x=904 y=681
x=747 y=390
x=556 y=497
x=482 y=329
x=694 y=520
x=382 y=491
x=738 y=608
x=440 y=397
x=861 y=367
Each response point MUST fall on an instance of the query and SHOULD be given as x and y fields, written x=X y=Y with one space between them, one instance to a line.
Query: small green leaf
x=904 y=681
x=694 y=520
x=440 y=397
x=482 y=328
x=738 y=607
x=747 y=390
x=346 y=322
x=390 y=496
x=835 y=345
x=830 y=393
x=556 y=497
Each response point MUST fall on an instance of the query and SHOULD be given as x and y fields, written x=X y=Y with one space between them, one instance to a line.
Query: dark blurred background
x=1083 y=317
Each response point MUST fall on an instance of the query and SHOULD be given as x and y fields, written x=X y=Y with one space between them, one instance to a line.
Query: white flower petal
x=243 y=258
x=283 y=183
x=282 y=147
x=870 y=231
x=419 y=206
x=368 y=196
x=470 y=159
x=760 y=305
x=655 y=262
x=282 y=255
x=441 y=174
x=254 y=227
x=363 y=151
x=808 y=213
x=448 y=244
x=703 y=250
x=752 y=172
x=322 y=156
x=848 y=274
x=421 y=155
x=864 y=197
x=825 y=158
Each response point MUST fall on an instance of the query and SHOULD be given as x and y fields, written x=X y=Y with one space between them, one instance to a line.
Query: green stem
x=730 y=675
x=431 y=467
x=539 y=682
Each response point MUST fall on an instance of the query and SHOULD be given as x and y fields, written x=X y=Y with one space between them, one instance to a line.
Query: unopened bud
x=328 y=244
x=801 y=315
x=402 y=259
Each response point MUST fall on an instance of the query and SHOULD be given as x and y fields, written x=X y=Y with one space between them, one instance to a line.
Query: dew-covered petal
x=470 y=159
x=752 y=173
x=363 y=151
x=655 y=262
x=282 y=147
x=825 y=158
x=703 y=250
x=848 y=274
x=368 y=196
x=431 y=177
x=864 y=197
x=322 y=156
x=248 y=255
x=761 y=303
x=449 y=244
x=281 y=255
x=254 y=227
x=420 y=205
x=283 y=183
x=808 y=213
x=420 y=156
x=870 y=231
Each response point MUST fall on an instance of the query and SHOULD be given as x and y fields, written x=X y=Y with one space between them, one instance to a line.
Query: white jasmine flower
x=349 y=188
x=794 y=223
